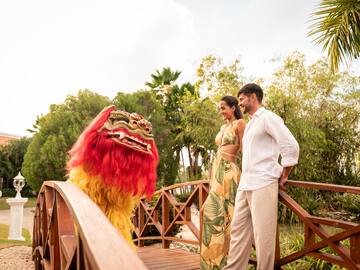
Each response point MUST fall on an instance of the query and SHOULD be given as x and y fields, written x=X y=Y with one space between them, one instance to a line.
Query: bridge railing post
x=141 y=223
x=277 y=249
x=355 y=248
x=165 y=215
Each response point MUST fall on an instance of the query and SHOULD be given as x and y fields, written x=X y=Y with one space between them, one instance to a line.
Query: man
x=255 y=214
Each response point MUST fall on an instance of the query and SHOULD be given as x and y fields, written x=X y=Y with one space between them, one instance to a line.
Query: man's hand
x=282 y=182
x=284 y=177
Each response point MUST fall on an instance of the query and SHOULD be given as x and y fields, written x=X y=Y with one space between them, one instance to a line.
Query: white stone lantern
x=19 y=183
x=17 y=209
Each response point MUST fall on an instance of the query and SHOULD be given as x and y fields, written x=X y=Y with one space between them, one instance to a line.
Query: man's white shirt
x=265 y=139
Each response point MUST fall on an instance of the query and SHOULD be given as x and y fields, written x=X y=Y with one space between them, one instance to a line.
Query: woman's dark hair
x=232 y=101
x=252 y=88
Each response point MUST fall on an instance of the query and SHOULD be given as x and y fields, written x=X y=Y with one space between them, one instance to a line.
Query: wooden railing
x=314 y=226
x=71 y=232
x=173 y=212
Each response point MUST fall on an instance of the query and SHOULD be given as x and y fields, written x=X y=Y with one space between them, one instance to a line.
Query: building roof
x=12 y=136
x=5 y=138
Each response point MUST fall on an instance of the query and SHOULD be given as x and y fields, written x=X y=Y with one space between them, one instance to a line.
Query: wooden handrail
x=180 y=185
x=147 y=215
x=71 y=232
x=325 y=186
x=172 y=212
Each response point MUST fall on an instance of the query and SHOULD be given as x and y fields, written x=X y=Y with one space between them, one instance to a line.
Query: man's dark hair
x=251 y=88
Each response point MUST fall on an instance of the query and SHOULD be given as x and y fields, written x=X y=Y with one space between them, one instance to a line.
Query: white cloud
x=51 y=49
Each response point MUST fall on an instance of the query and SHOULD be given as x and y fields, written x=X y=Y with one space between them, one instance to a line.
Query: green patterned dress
x=219 y=205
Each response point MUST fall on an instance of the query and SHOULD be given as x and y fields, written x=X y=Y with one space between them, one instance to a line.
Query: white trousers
x=255 y=221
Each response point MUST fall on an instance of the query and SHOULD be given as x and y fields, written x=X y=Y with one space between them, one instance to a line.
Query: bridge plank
x=159 y=258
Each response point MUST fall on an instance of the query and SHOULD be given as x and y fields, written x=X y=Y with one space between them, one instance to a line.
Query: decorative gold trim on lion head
x=129 y=129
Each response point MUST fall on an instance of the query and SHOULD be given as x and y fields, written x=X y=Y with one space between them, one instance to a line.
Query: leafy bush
x=349 y=202
x=54 y=135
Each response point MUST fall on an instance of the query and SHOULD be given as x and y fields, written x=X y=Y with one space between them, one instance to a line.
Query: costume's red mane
x=131 y=171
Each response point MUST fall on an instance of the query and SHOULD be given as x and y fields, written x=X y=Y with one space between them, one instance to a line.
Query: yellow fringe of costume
x=116 y=205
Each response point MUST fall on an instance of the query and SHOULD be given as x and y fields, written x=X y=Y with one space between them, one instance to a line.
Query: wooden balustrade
x=71 y=232
x=348 y=257
x=173 y=212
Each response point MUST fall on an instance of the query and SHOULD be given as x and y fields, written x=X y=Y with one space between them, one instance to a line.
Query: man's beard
x=246 y=109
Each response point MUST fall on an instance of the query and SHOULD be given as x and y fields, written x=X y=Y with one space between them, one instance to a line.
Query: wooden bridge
x=71 y=232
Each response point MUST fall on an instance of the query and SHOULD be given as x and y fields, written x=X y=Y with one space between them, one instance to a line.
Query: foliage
x=171 y=97
x=311 y=200
x=169 y=93
x=194 y=117
x=146 y=103
x=11 y=159
x=151 y=230
x=292 y=240
x=336 y=25
x=194 y=121
x=349 y=202
x=163 y=78
x=198 y=129
x=321 y=110
x=216 y=80
x=200 y=118
x=55 y=133
x=330 y=140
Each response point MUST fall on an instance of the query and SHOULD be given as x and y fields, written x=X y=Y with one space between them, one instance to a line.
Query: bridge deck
x=169 y=259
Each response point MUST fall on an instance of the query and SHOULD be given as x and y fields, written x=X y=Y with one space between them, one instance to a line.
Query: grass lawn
x=30 y=203
x=4 y=242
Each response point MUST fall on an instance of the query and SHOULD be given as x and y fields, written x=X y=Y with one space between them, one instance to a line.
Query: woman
x=219 y=205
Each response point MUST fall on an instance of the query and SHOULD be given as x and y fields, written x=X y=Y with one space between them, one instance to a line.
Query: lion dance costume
x=114 y=162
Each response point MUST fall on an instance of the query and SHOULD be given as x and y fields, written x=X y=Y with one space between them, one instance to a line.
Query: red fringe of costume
x=117 y=165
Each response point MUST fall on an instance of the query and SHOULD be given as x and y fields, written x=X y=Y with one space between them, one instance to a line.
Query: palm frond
x=336 y=25
x=164 y=77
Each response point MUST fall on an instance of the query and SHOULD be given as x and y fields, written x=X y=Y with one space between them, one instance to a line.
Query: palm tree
x=336 y=25
x=163 y=78
x=171 y=96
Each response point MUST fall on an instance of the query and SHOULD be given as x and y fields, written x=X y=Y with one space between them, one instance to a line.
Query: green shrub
x=349 y=202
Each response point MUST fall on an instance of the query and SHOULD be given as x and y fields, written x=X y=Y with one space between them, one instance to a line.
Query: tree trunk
x=196 y=161
x=183 y=163
x=190 y=161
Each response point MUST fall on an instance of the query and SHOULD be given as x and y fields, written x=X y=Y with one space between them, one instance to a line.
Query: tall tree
x=11 y=159
x=336 y=25
x=321 y=109
x=146 y=103
x=55 y=133
x=163 y=78
x=170 y=96
x=199 y=125
x=215 y=80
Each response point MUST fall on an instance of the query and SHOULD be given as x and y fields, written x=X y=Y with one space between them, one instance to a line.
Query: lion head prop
x=114 y=161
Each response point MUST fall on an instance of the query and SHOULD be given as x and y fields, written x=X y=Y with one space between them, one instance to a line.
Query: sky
x=51 y=49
